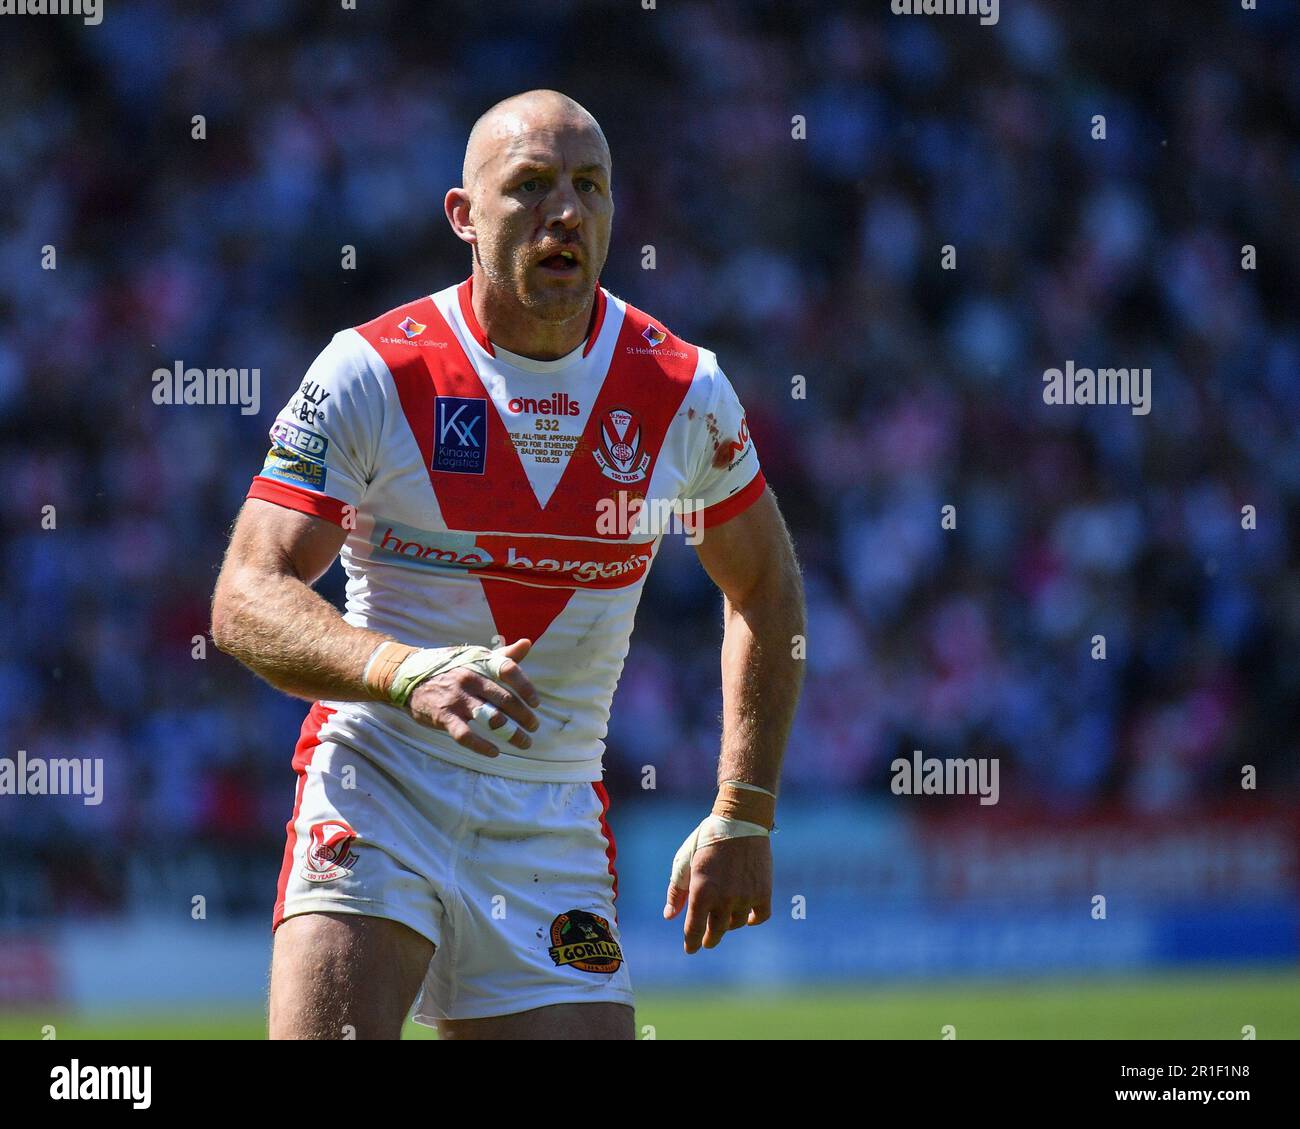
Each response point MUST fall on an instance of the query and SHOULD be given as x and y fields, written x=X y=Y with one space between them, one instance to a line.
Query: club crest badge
x=330 y=855
x=619 y=452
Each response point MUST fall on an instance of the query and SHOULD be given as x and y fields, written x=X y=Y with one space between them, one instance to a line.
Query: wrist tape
x=394 y=670
x=741 y=811
x=738 y=799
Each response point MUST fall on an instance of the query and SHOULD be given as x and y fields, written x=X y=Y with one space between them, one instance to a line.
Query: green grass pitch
x=1209 y=1005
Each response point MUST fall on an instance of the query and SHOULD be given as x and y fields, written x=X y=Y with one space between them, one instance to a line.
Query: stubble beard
x=507 y=271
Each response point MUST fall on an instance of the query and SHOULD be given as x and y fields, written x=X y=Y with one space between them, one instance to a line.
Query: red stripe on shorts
x=308 y=741
x=611 y=851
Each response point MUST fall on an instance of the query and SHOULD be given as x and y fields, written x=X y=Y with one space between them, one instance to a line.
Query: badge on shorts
x=330 y=854
x=583 y=941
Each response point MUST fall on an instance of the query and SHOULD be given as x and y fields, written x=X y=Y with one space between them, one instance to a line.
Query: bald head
x=537 y=206
x=507 y=126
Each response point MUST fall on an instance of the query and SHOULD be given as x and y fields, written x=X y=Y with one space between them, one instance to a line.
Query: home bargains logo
x=562 y=562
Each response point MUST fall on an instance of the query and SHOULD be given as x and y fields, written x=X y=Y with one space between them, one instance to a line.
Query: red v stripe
x=518 y=611
x=647 y=383
x=521 y=611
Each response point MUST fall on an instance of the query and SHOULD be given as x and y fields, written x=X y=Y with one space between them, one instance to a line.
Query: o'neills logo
x=619 y=455
x=330 y=854
x=559 y=404
x=583 y=941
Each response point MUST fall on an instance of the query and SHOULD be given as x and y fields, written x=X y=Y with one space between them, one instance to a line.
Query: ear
x=457 y=206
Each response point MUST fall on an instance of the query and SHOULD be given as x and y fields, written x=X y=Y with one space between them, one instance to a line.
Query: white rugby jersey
x=480 y=492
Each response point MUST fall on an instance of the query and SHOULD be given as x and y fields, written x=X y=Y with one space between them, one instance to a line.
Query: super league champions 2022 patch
x=297 y=456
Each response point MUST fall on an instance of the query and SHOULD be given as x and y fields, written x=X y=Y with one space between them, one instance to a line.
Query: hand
x=447 y=701
x=730 y=887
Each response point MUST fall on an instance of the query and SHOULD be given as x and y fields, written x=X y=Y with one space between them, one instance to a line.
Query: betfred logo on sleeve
x=307 y=443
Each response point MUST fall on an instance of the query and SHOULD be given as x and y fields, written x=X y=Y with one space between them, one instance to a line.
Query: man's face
x=544 y=190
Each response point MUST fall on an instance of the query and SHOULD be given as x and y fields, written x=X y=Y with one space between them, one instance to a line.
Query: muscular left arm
x=751 y=559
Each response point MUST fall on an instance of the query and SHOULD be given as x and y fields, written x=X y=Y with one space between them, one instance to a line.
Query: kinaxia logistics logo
x=460 y=434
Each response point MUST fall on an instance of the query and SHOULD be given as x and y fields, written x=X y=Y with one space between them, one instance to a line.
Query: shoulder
x=679 y=361
x=406 y=321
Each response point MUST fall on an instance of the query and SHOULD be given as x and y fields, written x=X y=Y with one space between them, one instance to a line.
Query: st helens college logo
x=619 y=453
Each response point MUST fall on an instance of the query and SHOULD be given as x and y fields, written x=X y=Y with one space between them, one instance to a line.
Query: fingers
x=697 y=920
x=709 y=919
x=457 y=728
x=448 y=702
x=676 y=899
x=512 y=674
x=511 y=708
x=719 y=921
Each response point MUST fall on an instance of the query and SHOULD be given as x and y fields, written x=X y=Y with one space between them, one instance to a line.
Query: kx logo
x=463 y=429
x=460 y=435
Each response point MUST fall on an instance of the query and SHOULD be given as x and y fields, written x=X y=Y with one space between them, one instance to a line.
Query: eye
x=531 y=184
x=585 y=184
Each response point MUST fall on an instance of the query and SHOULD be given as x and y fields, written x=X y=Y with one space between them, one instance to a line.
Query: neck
x=509 y=325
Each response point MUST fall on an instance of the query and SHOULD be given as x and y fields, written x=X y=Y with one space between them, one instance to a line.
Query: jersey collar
x=465 y=293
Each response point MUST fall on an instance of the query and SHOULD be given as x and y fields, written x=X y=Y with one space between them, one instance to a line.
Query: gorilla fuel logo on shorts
x=583 y=941
x=330 y=855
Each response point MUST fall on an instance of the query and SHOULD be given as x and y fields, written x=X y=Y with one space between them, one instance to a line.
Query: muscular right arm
x=265 y=614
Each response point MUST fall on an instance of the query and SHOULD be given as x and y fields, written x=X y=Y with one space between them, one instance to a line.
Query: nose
x=562 y=207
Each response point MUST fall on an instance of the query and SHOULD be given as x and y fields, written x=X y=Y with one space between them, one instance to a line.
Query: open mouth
x=562 y=262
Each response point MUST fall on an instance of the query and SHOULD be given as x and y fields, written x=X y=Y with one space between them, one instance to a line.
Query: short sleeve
x=725 y=477
x=325 y=440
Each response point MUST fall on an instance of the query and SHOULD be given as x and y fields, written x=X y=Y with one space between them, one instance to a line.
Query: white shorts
x=512 y=880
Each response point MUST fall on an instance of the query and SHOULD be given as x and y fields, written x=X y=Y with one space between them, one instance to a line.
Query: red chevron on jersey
x=486 y=497
x=641 y=394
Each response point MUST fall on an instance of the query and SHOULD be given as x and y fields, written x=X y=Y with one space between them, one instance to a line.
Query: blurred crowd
x=818 y=256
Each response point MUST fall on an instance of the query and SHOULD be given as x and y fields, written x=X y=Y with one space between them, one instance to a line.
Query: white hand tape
x=711 y=830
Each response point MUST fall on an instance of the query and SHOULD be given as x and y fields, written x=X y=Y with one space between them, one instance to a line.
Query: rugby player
x=463 y=455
